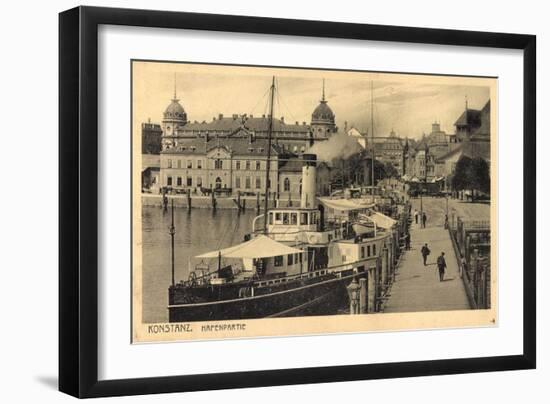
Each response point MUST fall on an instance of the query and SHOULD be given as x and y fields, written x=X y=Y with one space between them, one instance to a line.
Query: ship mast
x=172 y=231
x=269 y=133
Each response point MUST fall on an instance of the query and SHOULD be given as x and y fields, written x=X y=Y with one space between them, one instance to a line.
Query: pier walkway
x=417 y=287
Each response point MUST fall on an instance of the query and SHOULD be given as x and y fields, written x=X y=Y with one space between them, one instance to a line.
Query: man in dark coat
x=425 y=251
x=441 y=265
x=424 y=219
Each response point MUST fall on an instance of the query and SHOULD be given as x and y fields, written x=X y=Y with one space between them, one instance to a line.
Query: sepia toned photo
x=274 y=201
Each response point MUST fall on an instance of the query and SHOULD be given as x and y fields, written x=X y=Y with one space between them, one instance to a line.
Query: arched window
x=218 y=182
x=286 y=185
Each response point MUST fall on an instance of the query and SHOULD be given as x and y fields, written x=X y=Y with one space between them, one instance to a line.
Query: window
x=218 y=164
x=189 y=181
x=237 y=182
x=238 y=165
x=286 y=185
x=169 y=163
x=362 y=252
x=189 y=163
x=169 y=181
x=344 y=258
x=300 y=256
x=294 y=218
x=199 y=181
x=178 y=181
x=258 y=182
x=258 y=165
x=368 y=251
x=303 y=218
x=248 y=164
x=278 y=262
x=285 y=218
x=270 y=217
x=199 y=163
x=179 y=163
x=374 y=249
x=278 y=216
x=247 y=183
x=290 y=260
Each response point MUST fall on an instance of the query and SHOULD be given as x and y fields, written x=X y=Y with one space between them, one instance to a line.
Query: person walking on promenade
x=407 y=241
x=441 y=265
x=463 y=266
x=425 y=251
x=424 y=219
x=446 y=226
x=416 y=216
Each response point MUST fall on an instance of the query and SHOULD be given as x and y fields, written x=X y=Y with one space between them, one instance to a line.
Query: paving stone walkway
x=417 y=287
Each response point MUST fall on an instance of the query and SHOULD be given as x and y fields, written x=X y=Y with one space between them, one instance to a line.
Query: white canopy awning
x=382 y=220
x=346 y=204
x=259 y=247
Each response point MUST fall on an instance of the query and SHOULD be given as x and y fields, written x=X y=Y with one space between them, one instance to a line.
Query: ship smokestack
x=308 y=180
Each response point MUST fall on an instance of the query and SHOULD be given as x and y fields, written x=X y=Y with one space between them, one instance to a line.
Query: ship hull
x=322 y=298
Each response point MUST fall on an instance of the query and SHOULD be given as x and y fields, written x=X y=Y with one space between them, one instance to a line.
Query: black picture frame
x=78 y=201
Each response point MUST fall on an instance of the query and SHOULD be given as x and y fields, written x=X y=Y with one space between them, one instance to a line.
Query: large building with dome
x=230 y=152
x=295 y=137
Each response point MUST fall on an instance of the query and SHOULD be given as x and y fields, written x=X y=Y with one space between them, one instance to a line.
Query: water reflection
x=197 y=231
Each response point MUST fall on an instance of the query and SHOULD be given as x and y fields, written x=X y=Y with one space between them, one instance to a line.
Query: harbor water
x=197 y=231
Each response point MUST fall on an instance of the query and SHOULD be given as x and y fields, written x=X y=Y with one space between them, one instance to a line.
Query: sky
x=408 y=104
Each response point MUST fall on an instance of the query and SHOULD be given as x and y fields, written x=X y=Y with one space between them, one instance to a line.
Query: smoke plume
x=339 y=145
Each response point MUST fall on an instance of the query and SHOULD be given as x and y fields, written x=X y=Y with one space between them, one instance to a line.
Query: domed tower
x=323 y=119
x=174 y=116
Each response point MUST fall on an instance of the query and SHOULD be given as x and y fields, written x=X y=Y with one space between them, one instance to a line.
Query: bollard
x=258 y=202
x=363 y=300
x=239 y=200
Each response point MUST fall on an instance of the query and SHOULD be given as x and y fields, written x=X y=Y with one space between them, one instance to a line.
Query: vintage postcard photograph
x=271 y=201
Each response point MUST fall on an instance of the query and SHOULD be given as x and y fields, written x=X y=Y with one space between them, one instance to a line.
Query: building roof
x=175 y=111
x=484 y=129
x=470 y=117
x=237 y=146
x=458 y=149
x=471 y=149
x=322 y=114
x=293 y=165
x=233 y=123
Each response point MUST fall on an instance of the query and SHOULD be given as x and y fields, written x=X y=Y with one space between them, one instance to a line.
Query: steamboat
x=297 y=261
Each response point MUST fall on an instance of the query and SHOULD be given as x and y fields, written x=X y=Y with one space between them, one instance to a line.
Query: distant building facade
x=231 y=152
x=151 y=138
x=473 y=139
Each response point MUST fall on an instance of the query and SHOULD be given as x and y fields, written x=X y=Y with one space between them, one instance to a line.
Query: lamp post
x=354 y=294
x=425 y=182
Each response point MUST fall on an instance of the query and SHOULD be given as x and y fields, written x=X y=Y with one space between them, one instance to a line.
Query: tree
x=390 y=171
x=480 y=169
x=471 y=174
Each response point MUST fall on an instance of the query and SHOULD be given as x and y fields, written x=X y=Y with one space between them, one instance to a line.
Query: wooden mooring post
x=213 y=198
